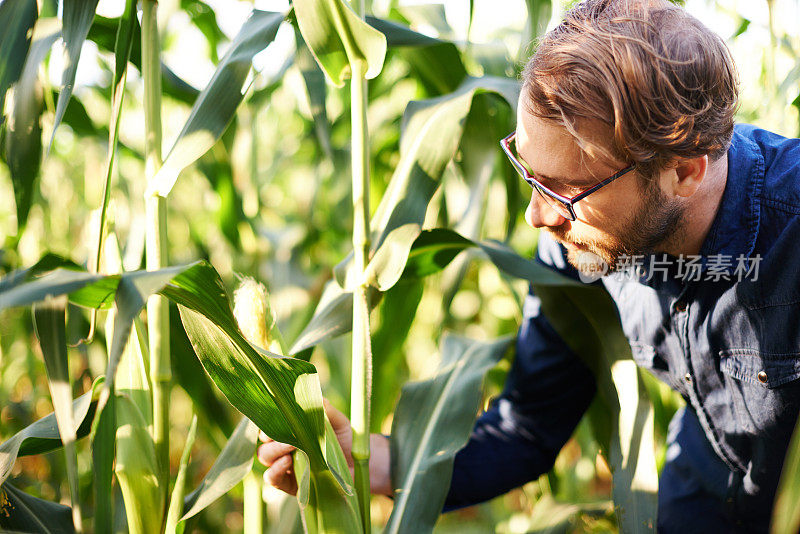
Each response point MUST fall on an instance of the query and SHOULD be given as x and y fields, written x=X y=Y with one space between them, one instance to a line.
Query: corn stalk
x=156 y=243
x=361 y=370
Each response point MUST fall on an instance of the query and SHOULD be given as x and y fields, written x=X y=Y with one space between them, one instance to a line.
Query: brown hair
x=663 y=82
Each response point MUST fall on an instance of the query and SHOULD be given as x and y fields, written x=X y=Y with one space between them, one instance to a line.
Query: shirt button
x=762 y=377
x=680 y=306
x=688 y=377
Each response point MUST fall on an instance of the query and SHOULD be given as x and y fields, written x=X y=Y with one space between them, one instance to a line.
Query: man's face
x=622 y=218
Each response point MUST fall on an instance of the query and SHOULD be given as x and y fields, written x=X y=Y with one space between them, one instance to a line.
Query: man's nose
x=540 y=213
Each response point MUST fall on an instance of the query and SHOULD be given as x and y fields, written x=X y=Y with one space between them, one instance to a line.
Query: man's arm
x=546 y=393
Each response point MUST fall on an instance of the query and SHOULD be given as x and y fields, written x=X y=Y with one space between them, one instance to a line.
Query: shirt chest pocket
x=763 y=387
x=767 y=370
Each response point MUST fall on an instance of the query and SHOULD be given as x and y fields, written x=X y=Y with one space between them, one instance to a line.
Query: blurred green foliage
x=271 y=199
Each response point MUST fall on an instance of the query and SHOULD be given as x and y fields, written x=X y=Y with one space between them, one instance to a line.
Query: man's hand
x=280 y=462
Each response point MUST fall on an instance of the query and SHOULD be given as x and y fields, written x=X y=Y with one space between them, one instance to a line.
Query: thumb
x=338 y=420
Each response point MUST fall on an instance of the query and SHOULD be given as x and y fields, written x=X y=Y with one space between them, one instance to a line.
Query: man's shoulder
x=777 y=158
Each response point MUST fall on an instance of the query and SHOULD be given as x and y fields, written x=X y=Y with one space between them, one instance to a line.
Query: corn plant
x=380 y=225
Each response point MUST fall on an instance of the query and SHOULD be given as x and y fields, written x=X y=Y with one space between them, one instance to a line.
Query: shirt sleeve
x=545 y=395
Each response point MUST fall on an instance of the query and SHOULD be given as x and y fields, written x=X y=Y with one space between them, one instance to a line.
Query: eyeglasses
x=564 y=206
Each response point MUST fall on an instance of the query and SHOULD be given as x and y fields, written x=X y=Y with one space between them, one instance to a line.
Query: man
x=625 y=132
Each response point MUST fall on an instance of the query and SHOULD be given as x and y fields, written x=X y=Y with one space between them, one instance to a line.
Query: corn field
x=214 y=214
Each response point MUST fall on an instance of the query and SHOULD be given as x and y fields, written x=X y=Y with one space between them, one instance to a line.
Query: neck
x=701 y=210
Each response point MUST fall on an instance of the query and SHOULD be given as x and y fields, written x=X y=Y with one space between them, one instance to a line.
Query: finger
x=269 y=453
x=281 y=475
x=263 y=437
x=337 y=418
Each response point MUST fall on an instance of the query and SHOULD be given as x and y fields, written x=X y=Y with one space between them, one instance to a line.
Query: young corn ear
x=252 y=310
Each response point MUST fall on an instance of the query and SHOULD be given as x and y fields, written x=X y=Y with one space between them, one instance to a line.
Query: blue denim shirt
x=731 y=348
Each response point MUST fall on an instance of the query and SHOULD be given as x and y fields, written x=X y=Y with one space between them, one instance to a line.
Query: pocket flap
x=765 y=369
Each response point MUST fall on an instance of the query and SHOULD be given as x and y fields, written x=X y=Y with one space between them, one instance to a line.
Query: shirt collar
x=735 y=226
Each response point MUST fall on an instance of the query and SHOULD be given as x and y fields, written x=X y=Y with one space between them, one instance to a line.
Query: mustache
x=562 y=236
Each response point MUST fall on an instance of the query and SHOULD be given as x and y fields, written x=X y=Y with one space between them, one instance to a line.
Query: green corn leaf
x=136 y=467
x=217 y=103
x=104 y=428
x=48 y=262
x=204 y=18
x=432 y=131
x=343 y=44
x=50 y=320
x=429 y=252
x=20 y=512
x=436 y=63
x=85 y=289
x=539 y=14
x=259 y=385
x=587 y=320
x=281 y=395
x=435 y=248
x=43 y=436
x=103 y=33
x=230 y=467
x=17 y=18
x=433 y=15
x=478 y=156
x=432 y=422
x=129 y=292
x=397 y=311
x=399 y=34
x=190 y=375
x=314 y=80
x=176 y=499
x=78 y=16
x=133 y=446
x=786 y=514
x=24 y=136
x=333 y=316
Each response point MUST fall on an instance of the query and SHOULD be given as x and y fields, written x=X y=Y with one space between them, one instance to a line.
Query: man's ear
x=687 y=175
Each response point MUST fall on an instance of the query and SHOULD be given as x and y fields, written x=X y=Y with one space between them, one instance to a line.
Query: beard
x=652 y=228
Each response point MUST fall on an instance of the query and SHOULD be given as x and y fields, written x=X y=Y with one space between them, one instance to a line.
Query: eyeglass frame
x=567 y=202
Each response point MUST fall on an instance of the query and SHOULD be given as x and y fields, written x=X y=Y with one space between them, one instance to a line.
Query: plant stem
x=253 y=503
x=156 y=243
x=361 y=385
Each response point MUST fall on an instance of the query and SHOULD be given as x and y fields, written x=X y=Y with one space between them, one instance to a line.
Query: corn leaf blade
x=432 y=422
x=282 y=396
x=78 y=16
x=24 y=136
x=233 y=463
x=217 y=103
x=20 y=512
x=43 y=435
x=786 y=514
x=343 y=44
x=135 y=468
x=50 y=320
x=17 y=18
x=431 y=133
x=174 y=511
x=586 y=318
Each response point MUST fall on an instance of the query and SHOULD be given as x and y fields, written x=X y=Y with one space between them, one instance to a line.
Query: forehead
x=550 y=149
